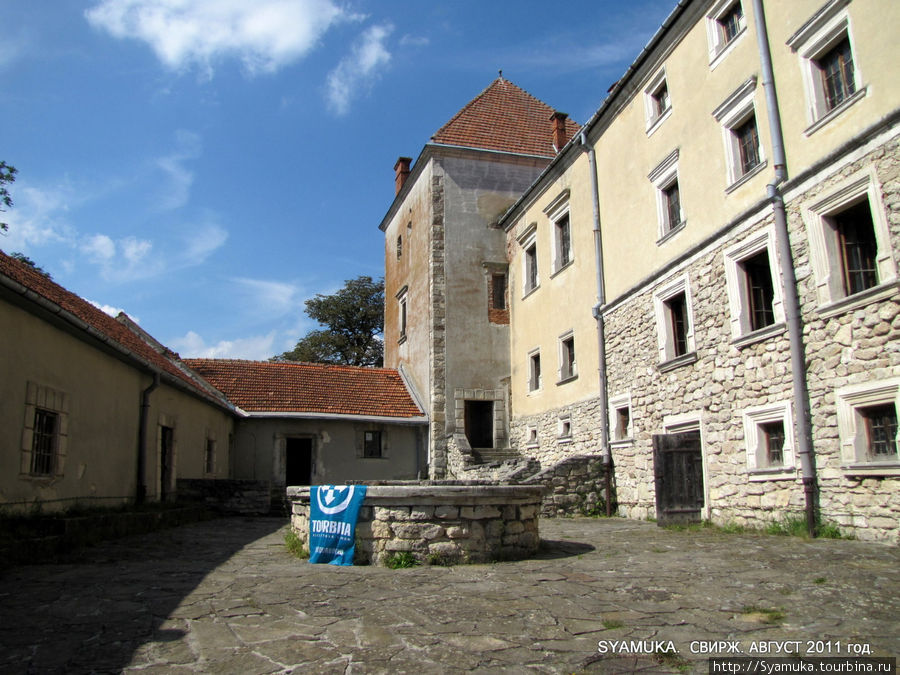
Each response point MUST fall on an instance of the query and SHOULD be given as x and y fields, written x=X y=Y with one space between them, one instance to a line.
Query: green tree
x=7 y=175
x=22 y=258
x=352 y=323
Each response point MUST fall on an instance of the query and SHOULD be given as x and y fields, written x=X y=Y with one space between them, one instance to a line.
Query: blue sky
x=208 y=165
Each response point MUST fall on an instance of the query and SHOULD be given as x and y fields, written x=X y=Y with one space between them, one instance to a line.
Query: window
x=534 y=371
x=372 y=444
x=45 y=432
x=43 y=448
x=209 y=459
x=531 y=268
x=743 y=152
x=567 y=366
x=563 y=237
x=564 y=428
x=402 y=312
x=620 y=428
x=768 y=436
x=867 y=423
x=754 y=296
x=850 y=244
x=725 y=23
x=831 y=76
x=657 y=103
x=531 y=437
x=674 y=326
x=399 y=246
x=668 y=196
x=498 y=291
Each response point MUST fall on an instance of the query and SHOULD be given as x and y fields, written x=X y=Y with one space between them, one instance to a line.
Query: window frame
x=209 y=456
x=813 y=40
x=402 y=314
x=663 y=177
x=531 y=279
x=616 y=404
x=654 y=115
x=824 y=245
x=850 y=401
x=558 y=211
x=535 y=374
x=732 y=114
x=378 y=435
x=665 y=324
x=40 y=400
x=564 y=429
x=719 y=43
x=754 y=420
x=568 y=364
x=737 y=287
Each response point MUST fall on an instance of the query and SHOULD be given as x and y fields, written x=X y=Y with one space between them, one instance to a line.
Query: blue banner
x=333 y=510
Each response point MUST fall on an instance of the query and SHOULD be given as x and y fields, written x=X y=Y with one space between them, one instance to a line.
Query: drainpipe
x=605 y=452
x=789 y=279
x=141 y=494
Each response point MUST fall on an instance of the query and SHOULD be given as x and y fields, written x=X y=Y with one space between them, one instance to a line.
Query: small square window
x=372 y=444
x=567 y=366
x=534 y=371
x=620 y=419
x=881 y=431
x=565 y=428
x=531 y=437
x=623 y=423
x=768 y=435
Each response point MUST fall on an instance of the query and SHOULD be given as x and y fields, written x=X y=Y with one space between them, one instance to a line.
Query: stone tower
x=446 y=300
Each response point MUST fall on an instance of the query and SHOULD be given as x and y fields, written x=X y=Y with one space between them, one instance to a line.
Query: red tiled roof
x=504 y=118
x=106 y=326
x=287 y=387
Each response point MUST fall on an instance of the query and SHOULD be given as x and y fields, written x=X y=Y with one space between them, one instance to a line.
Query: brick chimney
x=559 y=129
x=401 y=173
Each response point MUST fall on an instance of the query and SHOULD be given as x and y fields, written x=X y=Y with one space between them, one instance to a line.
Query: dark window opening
x=399 y=247
x=672 y=200
x=660 y=100
x=881 y=431
x=372 y=444
x=836 y=71
x=730 y=22
x=534 y=375
x=623 y=415
x=480 y=423
x=773 y=442
x=531 y=269
x=760 y=292
x=563 y=241
x=210 y=456
x=567 y=369
x=678 y=324
x=43 y=444
x=298 y=461
x=858 y=247
x=498 y=291
x=166 y=458
x=748 y=145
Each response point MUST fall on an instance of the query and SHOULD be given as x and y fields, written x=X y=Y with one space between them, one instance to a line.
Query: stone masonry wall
x=231 y=496
x=575 y=487
x=437 y=331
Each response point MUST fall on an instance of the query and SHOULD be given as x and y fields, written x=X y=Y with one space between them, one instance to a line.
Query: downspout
x=789 y=279
x=141 y=494
x=605 y=452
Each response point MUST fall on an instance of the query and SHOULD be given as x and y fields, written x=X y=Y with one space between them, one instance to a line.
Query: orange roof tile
x=288 y=387
x=116 y=332
x=504 y=118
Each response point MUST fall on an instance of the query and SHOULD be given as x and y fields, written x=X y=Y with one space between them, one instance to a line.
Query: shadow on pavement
x=91 y=613
x=552 y=549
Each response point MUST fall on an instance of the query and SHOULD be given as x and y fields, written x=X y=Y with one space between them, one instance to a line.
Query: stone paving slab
x=224 y=596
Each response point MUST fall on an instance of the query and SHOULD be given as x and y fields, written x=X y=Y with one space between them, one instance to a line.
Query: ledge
x=677 y=362
x=880 y=292
x=837 y=110
x=887 y=469
x=759 y=335
x=430 y=495
x=747 y=176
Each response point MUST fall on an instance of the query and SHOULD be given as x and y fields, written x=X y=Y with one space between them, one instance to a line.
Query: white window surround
x=731 y=114
x=555 y=211
x=656 y=118
x=825 y=251
x=402 y=313
x=535 y=380
x=683 y=422
x=736 y=284
x=754 y=441
x=564 y=429
x=718 y=47
x=531 y=437
x=562 y=374
x=663 y=176
x=528 y=240
x=852 y=428
x=816 y=37
x=665 y=339
x=617 y=403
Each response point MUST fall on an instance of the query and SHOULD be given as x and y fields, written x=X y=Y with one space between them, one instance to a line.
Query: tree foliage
x=7 y=176
x=22 y=258
x=352 y=322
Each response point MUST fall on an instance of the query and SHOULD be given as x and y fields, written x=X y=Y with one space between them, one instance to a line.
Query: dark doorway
x=166 y=447
x=678 y=470
x=298 y=461
x=480 y=423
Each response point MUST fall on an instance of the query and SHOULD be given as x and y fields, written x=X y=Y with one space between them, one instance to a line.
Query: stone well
x=445 y=522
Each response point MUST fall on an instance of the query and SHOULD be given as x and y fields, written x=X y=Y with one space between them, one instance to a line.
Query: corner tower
x=446 y=301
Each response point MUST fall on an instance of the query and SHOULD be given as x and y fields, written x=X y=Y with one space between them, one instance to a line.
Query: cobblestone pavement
x=224 y=596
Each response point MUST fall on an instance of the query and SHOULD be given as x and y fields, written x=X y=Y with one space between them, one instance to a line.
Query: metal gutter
x=336 y=416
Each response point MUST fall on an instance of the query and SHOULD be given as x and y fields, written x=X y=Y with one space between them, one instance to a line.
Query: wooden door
x=678 y=473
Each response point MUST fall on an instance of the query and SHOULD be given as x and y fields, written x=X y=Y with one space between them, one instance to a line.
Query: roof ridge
x=266 y=362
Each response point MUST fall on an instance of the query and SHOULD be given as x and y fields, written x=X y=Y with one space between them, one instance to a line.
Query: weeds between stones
x=295 y=545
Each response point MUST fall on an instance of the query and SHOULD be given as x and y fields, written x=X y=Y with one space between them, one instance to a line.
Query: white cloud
x=192 y=345
x=414 y=41
x=99 y=248
x=202 y=241
x=273 y=298
x=264 y=34
x=112 y=311
x=38 y=216
x=123 y=259
x=359 y=69
x=180 y=179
